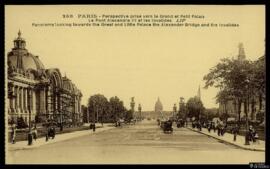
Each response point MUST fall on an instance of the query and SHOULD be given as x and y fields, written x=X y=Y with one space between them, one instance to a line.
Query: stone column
x=29 y=100
x=26 y=100
x=33 y=103
x=46 y=100
x=23 y=103
x=17 y=100
x=75 y=105
x=42 y=101
x=59 y=113
x=21 y=99
x=12 y=99
x=49 y=101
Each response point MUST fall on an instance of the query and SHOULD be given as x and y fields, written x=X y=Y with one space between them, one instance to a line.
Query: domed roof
x=158 y=106
x=20 y=58
x=68 y=85
x=28 y=61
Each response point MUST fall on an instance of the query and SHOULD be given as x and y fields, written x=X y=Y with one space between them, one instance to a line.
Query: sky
x=141 y=62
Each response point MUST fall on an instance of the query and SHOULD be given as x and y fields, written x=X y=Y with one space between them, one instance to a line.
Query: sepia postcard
x=135 y=84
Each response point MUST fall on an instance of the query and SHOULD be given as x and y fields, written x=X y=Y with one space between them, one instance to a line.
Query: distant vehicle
x=167 y=126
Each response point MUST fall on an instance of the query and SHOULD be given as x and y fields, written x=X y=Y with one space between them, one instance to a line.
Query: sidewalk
x=20 y=145
x=228 y=138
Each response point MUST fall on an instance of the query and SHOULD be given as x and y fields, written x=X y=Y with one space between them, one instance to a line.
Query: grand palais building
x=38 y=94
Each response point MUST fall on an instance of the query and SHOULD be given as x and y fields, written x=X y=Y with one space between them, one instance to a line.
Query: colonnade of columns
x=23 y=102
x=27 y=100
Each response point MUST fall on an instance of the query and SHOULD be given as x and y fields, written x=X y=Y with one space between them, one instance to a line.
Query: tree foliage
x=237 y=80
x=117 y=109
x=98 y=106
x=194 y=107
x=103 y=110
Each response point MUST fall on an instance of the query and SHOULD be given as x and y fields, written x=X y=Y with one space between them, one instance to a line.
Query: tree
x=98 y=107
x=128 y=115
x=259 y=80
x=233 y=77
x=211 y=113
x=102 y=110
x=85 y=114
x=194 y=107
x=117 y=108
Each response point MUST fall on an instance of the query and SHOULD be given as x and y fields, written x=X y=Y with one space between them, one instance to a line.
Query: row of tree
x=240 y=81
x=100 y=109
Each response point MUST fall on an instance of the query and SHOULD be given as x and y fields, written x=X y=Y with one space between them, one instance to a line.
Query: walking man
x=34 y=133
x=235 y=132
x=13 y=133
x=94 y=127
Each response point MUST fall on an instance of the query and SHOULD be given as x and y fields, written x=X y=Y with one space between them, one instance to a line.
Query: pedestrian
x=219 y=129
x=222 y=130
x=34 y=132
x=252 y=133
x=13 y=133
x=256 y=137
x=94 y=127
x=53 y=132
x=193 y=124
x=235 y=132
x=199 y=126
x=47 y=133
x=215 y=126
x=209 y=127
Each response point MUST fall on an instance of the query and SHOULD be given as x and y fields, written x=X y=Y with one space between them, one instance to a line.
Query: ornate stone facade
x=36 y=93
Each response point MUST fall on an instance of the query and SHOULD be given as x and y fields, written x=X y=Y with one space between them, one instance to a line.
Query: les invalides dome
x=158 y=106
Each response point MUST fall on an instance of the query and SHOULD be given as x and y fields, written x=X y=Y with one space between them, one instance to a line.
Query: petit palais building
x=36 y=94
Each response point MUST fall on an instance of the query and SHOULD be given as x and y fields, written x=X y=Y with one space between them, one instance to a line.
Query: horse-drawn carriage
x=167 y=126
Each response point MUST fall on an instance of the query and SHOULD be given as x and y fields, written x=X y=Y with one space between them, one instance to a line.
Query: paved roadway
x=142 y=143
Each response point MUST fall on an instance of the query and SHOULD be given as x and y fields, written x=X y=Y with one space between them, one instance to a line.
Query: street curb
x=245 y=148
x=55 y=141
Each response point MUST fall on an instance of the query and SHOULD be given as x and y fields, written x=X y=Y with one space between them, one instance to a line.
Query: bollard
x=30 y=139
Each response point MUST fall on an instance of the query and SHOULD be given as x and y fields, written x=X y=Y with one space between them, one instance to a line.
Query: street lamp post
x=174 y=110
x=245 y=109
x=132 y=105
x=140 y=111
